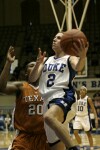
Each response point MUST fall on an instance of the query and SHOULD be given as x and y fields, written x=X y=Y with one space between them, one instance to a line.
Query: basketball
x=69 y=37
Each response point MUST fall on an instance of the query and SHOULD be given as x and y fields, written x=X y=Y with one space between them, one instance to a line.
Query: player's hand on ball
x=80 y=48
x=72 y=41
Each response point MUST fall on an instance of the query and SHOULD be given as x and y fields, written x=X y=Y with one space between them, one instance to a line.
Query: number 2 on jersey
x=50 y=81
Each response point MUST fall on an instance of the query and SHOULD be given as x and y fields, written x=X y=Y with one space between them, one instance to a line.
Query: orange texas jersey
x=29 y=110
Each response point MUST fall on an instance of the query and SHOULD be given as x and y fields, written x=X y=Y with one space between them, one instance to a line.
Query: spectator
x=7 y=121
x=2 y=123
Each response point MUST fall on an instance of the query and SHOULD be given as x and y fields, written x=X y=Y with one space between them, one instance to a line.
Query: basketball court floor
x=7 y=137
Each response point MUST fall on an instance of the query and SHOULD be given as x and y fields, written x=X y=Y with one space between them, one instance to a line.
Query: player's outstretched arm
x=36 y=71
x=6 y=70
x=94 y=111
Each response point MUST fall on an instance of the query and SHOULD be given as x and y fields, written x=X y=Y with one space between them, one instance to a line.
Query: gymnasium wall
x=18 y=12
x=7 y=103
x=10 y=12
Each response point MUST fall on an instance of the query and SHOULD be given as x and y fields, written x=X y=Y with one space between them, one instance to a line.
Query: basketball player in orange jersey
x=82 y=118
x=28 y=119
x=56 y=76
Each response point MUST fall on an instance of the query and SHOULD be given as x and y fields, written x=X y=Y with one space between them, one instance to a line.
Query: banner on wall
x=91 y=83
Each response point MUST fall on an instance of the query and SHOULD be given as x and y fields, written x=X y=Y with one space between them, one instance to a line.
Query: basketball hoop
x=69 y=13
x=67 y=18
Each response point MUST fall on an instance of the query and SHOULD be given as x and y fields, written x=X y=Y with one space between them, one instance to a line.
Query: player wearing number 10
x=28 y=114
x=82 y=118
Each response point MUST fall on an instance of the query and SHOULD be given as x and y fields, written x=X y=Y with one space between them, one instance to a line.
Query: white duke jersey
x=56 y=77
x=82 y=106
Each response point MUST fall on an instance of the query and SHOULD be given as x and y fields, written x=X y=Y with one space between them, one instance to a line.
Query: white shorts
x=82 y=122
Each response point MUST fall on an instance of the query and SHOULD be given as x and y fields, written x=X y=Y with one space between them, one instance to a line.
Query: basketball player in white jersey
x=82 y=118
x=56 y=75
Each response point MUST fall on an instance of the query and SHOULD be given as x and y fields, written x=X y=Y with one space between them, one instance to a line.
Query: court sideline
x=7 y=137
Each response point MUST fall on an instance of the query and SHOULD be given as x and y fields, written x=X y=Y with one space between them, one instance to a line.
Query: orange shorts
x=25 y=141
